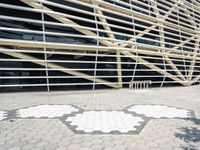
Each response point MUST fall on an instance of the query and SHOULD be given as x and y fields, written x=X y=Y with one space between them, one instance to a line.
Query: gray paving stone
x=74 y=147
x=152 y=144
x=65 y=143
x=157 y=133
x=109 y=148
x=87 y=144
x=34 y=141
x=61 y=148
x=28 y=147
x=107 y=144
x=6 y=146
x=2 y=142
x=120 y=147
x=130 y=145
x=97 y=141
x=51 y=147
x=86 y=148
x=41 y=144
x=177 y=148
x=38 y=148
x=165 y=147
x=117 y=142
x=15 y=148
x=142 y=147
x=96 y=147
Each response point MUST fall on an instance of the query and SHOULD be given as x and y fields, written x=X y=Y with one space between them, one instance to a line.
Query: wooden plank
x=192 y=64
x=111 y=35
x=152 y=66
x=175 y=69
x=150 y=28
x=55 y=66
x=62 y=19
x=196 y=79
x=83 y=48
x=162 y=40
x=106 y=5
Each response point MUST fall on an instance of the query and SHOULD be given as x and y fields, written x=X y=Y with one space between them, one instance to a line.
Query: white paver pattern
x=159 y=111
x=2 y=115
x=49 y=111
x=53 y=134
x=105 y=121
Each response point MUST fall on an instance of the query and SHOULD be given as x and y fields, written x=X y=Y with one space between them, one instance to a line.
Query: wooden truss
x=126 y=48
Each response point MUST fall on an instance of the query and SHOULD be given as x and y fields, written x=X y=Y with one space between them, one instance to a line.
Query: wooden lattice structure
x=99 y=43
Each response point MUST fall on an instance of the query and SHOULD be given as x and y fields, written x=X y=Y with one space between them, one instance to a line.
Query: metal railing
x=140 y=85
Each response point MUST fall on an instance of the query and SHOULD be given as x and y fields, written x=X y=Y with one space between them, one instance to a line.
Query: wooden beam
x=175 y=69
x=102 y=19
x=55 y=66
x=83 y=48
x=111 y=35
x=150 y=28
x=137 y=15
x=196 y=79
x=119 y=69
x=192 y=64
x=162 y=42
x=155 y=22
x=62 y=19
x=152 y=66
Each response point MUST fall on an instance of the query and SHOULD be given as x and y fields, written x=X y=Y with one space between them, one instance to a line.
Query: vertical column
x=96 y=56
x=185 y=68
x=134 y=45
x=119 y=69
x=165 y=70
x=154 y=4
x=195 y=51
x=45 y=52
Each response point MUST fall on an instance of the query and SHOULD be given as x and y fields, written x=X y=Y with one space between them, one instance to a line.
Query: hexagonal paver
x=2 y=115
x=49 y=111
x=160 y=111
x=104 y=122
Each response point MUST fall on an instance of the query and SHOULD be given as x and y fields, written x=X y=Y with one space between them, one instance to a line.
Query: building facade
x=48 y=45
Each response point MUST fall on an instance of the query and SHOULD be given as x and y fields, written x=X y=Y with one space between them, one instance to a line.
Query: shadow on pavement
x=190 y=134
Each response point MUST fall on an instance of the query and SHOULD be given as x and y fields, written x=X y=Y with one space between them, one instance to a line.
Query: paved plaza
x=155 y=119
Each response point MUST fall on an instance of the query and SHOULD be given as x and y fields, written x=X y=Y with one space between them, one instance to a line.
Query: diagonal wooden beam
x=155 y=22
x=152 y=66
x=68 y=21
x=183 y=43
x=192 y=64
x=111 y=35
x=167 y=59
x=63 y=19
x=155 y=25
x=196 y=79
x=151 y=27
x=55 y=66
x=162 y=34
x=175 y=69
x=103 y=19
x=107 y=43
